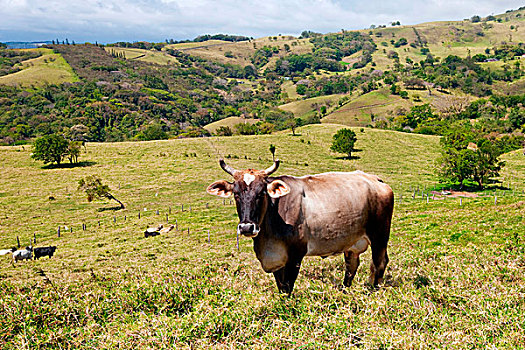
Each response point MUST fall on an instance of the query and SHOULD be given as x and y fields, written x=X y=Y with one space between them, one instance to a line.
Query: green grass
x=455 y=277
x=50 y=68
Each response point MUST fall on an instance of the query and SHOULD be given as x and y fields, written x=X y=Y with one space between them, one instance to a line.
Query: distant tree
x=50 y=149
x=468 y=155
x=344 y=141
x=272 y=150
x=301 y=89
x=224 y=131
x=475 y=19
x=73 y=151
x=94 y=188
x=293 y=123
x=152 y=132
x=245 y=129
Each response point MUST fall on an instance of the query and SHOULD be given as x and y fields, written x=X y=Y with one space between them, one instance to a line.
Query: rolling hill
x=50 y=68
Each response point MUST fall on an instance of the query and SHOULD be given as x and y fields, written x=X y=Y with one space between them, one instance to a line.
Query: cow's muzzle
x=248 y=230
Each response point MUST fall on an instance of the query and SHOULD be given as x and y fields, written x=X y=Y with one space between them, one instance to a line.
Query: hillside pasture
x=301 y=108
x=455 y=277
x=229 y=122
x=50 y=68
x=149 y=56
x=242 y=51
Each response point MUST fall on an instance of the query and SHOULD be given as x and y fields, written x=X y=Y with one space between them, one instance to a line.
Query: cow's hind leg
x=351 y=264
x=378 y=265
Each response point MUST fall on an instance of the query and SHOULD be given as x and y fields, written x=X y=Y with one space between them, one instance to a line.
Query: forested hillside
x=421 y=78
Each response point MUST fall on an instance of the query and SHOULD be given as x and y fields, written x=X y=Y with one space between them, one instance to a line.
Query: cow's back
x=335 y=209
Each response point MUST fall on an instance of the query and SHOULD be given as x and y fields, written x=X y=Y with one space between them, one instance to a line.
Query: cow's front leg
x=286 y=276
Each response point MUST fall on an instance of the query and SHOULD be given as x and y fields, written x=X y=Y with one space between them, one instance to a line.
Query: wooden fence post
x=208 y=236
x=18 y=241
x=34 y=238
x=59 y=231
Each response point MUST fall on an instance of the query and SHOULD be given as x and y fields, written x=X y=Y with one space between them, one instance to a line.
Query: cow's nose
x=249 y=229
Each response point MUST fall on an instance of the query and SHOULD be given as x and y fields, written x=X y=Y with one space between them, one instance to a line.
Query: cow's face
x=252 y=191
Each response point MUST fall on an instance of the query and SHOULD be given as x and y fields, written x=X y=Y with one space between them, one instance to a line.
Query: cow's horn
x=227 y=168
x=273 y=168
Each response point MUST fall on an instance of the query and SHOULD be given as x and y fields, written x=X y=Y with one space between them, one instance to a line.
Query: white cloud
x=113 y=20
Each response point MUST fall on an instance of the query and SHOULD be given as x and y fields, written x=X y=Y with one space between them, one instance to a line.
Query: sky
x=108 y=21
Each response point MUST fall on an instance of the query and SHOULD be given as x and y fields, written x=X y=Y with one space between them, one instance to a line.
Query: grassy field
x=301 y=108
x=50 y=68
x=229 y=122
x=382 y=104
x=150 y=56
x=455 y=278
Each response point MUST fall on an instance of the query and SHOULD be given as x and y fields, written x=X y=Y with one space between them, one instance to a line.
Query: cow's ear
x=278 y=188
x=220 y=188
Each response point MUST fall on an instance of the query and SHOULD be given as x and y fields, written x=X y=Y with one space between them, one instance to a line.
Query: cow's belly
x=357 y=243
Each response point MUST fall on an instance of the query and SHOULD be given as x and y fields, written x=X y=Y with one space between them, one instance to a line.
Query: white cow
x=23 y=254
x=7 y=251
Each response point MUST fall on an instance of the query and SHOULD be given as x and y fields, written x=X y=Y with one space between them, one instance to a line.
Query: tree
x=50 y=149
x=272 y=150
x=467 y=155
x=94 y=189
x=73 y=151
x=343 y=142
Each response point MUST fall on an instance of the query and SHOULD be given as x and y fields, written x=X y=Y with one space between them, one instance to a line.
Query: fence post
x=188 y=231
x=495 y=200
x=18 y=241
x=460 y=201
x=176 y=225
x=167 y=218
x=34 y=238
x=59 y=231
x=208 y=236
x=139 y=214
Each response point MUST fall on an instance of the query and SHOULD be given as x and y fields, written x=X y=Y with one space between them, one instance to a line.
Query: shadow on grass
x=351 y=157
x=471 y=187
x=70 y=165
x=110 y=209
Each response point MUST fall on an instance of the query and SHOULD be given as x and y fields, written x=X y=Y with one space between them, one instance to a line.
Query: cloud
x=156 y=20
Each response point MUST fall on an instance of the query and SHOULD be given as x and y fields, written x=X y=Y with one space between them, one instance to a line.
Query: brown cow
x=318 y=215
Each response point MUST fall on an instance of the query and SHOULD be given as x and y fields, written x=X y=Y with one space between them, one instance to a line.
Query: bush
x=152 y=132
